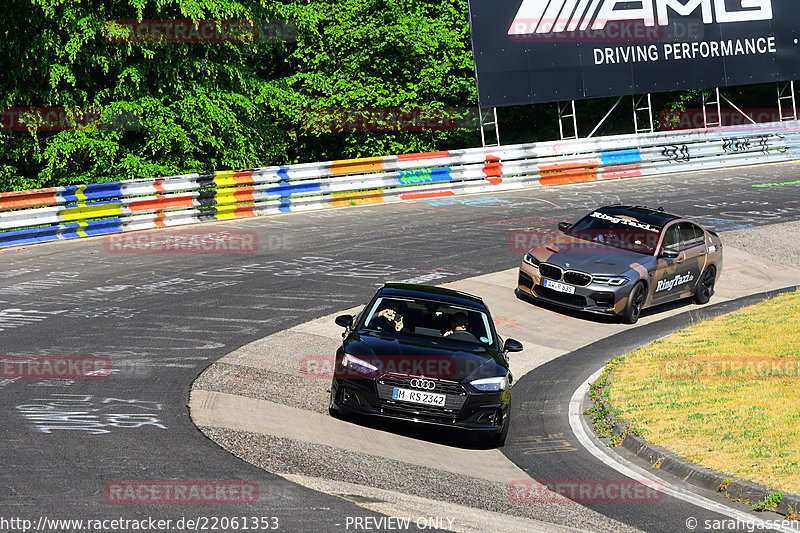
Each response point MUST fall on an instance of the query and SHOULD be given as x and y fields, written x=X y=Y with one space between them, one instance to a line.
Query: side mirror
x=512 y=345
x=564 y=226
x=344 y=320
x=669 y=254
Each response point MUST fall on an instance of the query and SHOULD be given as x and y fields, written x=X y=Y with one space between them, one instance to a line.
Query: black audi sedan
x=425 y=355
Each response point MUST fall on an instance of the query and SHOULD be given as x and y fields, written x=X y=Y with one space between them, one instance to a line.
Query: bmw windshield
x=622 y=231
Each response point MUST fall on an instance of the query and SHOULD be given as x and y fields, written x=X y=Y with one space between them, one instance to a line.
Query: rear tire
x=705 y=287
x=633 y=309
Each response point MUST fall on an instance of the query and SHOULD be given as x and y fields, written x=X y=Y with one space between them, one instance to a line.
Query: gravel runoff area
x=779 y=243
x=269 y=452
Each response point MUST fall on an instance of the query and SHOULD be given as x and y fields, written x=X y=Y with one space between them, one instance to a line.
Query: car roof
x=427 y=292
x=654 y=217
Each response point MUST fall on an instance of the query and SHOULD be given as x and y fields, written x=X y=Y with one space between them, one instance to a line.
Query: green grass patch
x=724 y=393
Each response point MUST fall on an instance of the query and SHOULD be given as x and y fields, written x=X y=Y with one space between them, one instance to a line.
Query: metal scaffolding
x=566 y=111
x=488 y=119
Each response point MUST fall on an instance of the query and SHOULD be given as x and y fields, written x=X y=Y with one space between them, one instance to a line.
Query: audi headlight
x=614 y=281
x=532 y=261
x=490 y=384
x=358 y=365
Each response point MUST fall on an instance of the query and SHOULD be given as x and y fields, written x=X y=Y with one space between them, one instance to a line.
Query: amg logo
x=668 y=284
x=556 y=16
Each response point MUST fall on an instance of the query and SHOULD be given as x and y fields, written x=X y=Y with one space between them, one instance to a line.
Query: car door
x=692 y=258
x=681 y=259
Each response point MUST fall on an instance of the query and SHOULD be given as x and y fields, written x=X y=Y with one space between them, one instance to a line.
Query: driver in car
x=458 y=322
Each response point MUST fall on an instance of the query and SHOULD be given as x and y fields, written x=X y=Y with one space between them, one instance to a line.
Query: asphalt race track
x=162 y=319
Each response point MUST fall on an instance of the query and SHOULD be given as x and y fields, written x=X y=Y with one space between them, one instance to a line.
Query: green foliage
x=365 y=54
x=769 y=503
x=223 y=105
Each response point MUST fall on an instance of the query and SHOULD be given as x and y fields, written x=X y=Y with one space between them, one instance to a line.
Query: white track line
x=633 y=471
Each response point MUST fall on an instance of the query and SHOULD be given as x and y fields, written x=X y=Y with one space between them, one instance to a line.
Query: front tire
x=331 y=409
x=633 y=309
x=705 y=287
x=498 y=440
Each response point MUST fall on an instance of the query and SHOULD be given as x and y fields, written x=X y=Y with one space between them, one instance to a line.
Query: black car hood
x=425 y=356
x=595 y=258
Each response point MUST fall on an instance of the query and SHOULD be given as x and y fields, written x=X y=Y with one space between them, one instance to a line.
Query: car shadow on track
x=684 y=304
x=444 y=436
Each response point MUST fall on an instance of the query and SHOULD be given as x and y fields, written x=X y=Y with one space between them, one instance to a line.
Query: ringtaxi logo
x=181 y=492
x=188 y=242
x=55 y=367
x=677 y=281
x=585 y=491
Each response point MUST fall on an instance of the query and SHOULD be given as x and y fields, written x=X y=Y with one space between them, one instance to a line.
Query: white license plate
x=415 y=396
x=558 y=286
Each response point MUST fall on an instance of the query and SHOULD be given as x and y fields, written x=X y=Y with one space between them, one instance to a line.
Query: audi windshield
x=427 y=318
x=624 y=231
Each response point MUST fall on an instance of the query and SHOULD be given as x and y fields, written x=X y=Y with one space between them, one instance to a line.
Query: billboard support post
x=713 y=105
x=613 y=107
x=638 y=106
x=565 y=112
x=787 y=100
x=745 y=115
x=488 y=118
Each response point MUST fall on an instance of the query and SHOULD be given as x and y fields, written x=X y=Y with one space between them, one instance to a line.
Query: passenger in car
x=388 y=319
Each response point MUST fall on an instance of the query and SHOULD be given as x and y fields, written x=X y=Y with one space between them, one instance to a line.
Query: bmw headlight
x=532 y=261
x=358 y=365
x=490 y=384
x=614 y=281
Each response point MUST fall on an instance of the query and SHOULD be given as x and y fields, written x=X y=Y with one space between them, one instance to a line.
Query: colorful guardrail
x=103 y=208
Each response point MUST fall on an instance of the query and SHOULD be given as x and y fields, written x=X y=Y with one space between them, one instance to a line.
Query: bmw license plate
x=558 y=286
x=415 y=396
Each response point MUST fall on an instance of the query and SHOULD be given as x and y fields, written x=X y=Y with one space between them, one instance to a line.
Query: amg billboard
x=534 y=51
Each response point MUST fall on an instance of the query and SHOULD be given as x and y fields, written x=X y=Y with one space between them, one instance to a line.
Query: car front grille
x=577 y=278
x=455 y=396
x=550 y=271
x=550 y=294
